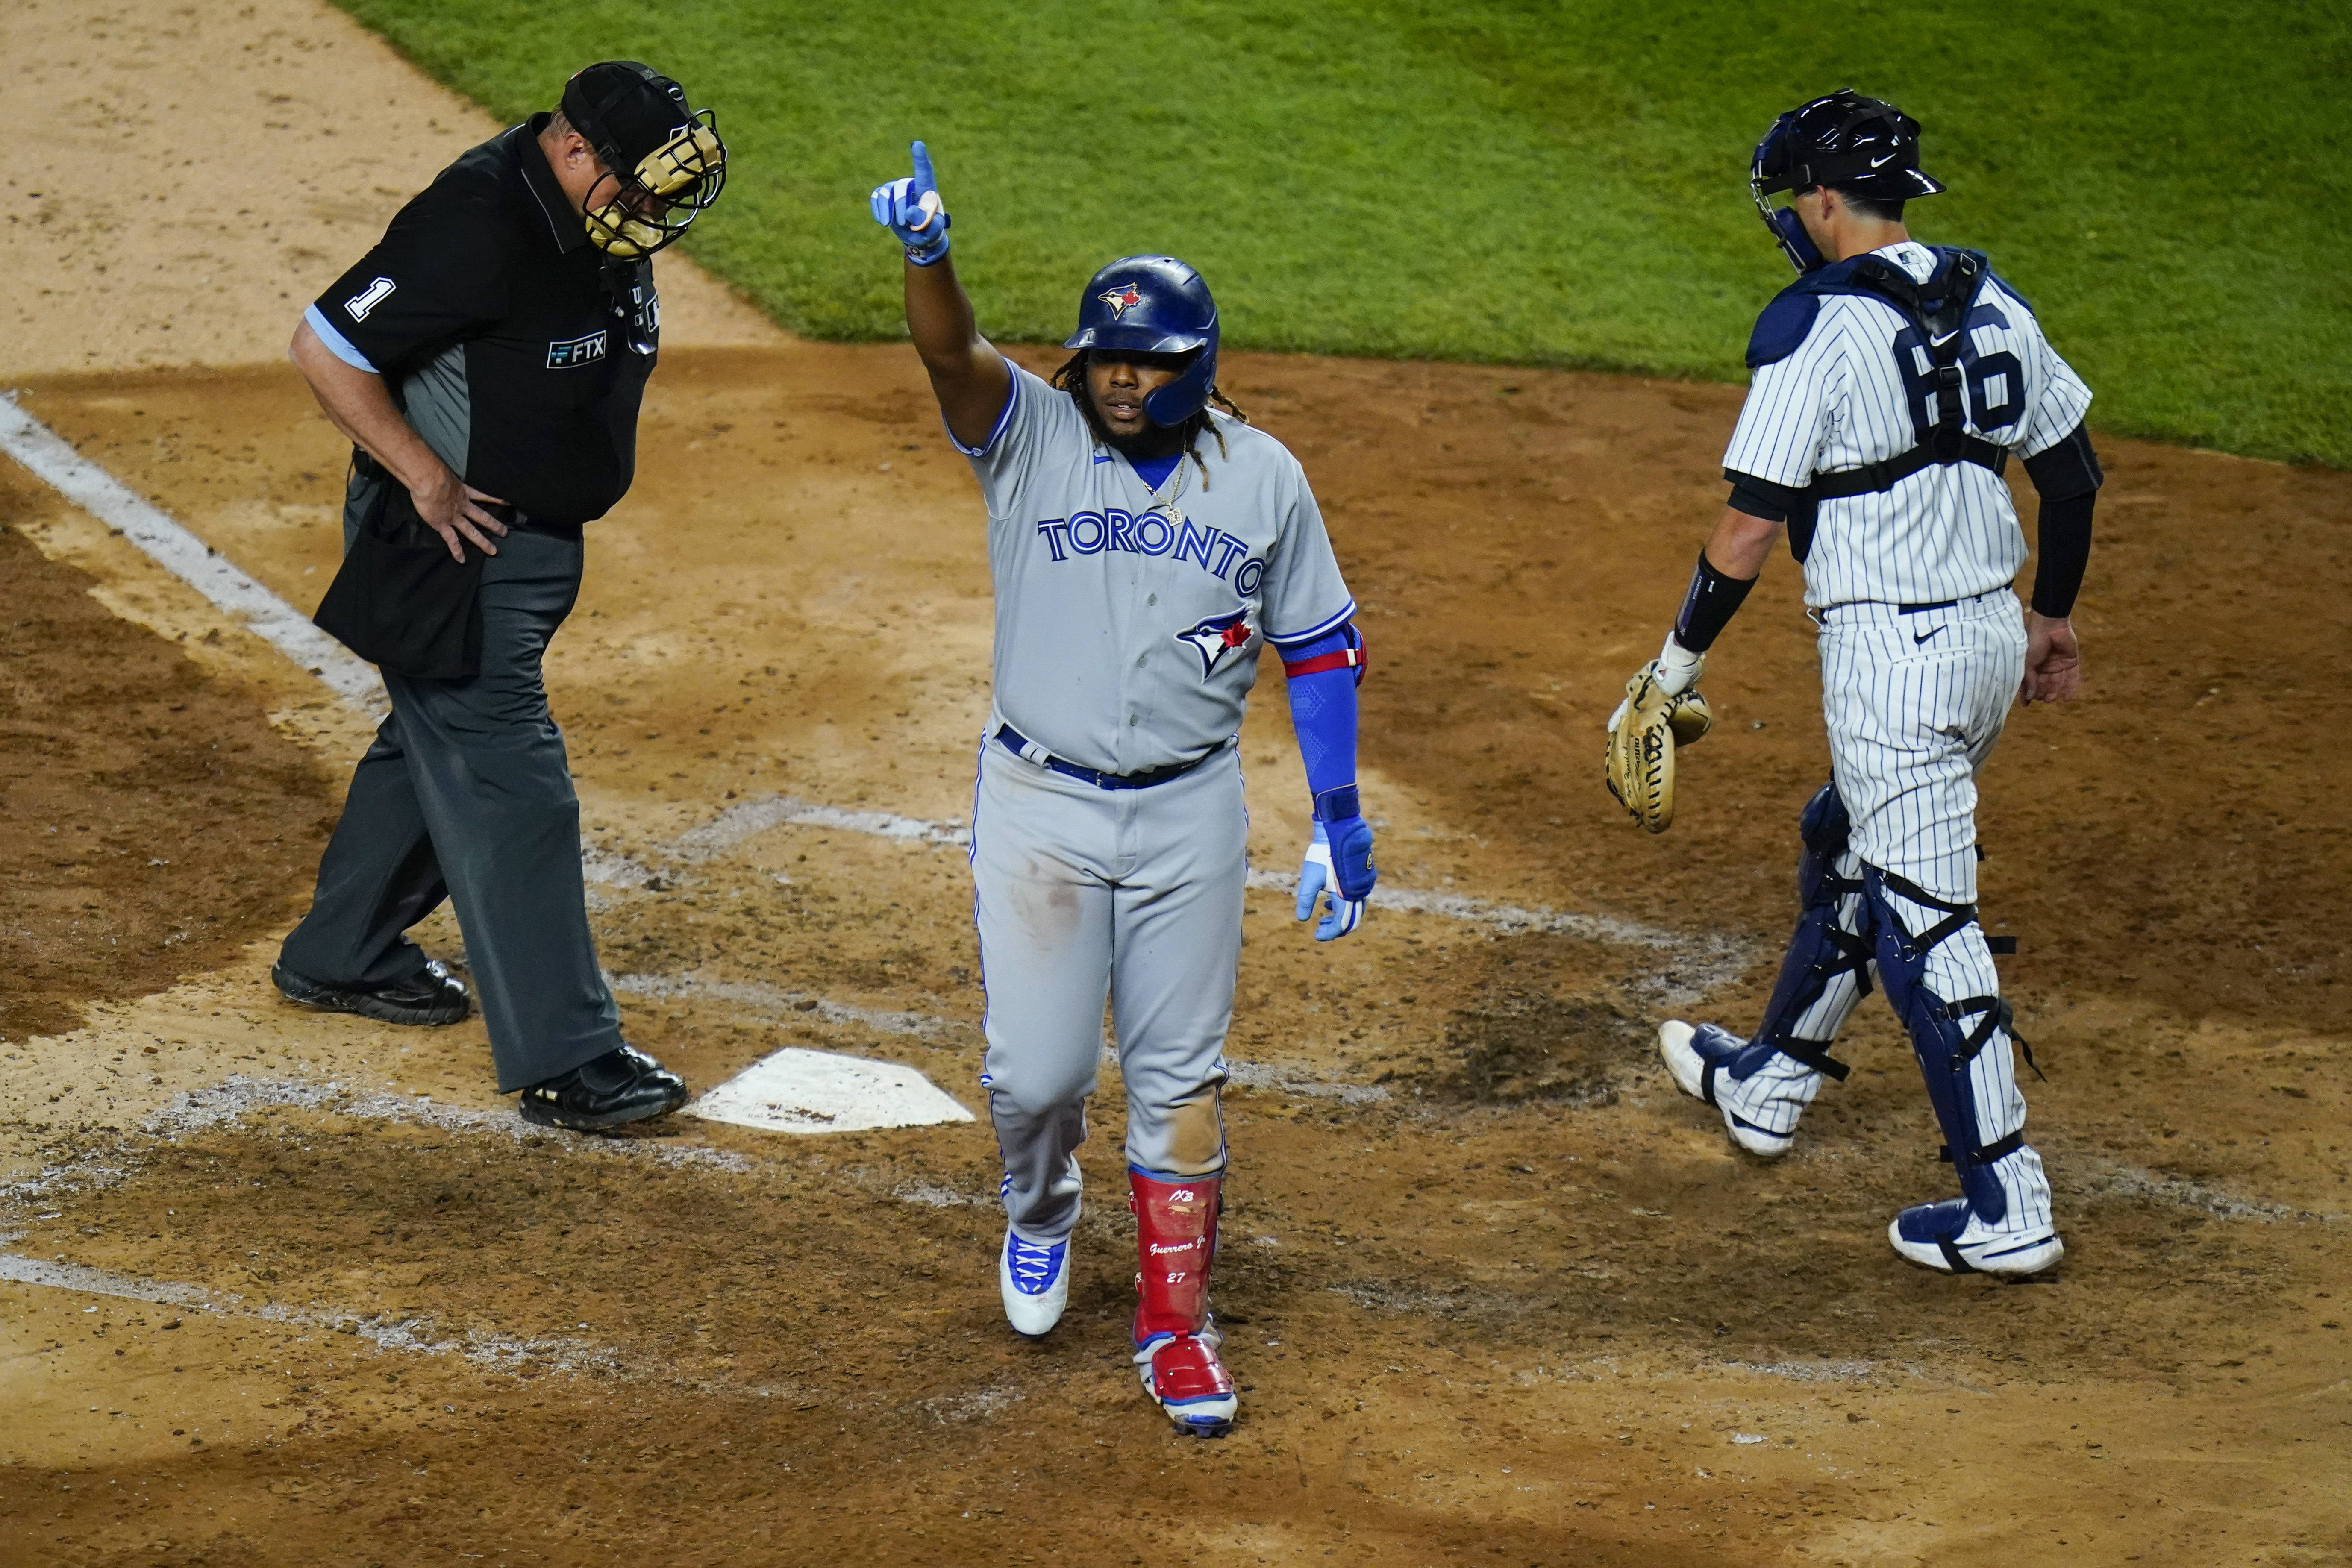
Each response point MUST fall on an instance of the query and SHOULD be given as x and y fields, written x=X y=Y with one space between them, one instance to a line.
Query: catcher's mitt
x=1639 y=760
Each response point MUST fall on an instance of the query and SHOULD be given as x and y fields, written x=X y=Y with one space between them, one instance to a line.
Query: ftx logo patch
x=1215 y=638
x=1120 y=299
x=579 y=351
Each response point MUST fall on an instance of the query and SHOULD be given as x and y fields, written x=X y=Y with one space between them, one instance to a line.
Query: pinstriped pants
x=1913 y=704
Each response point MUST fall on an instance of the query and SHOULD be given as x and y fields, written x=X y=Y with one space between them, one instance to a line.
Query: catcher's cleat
x=431 y=997
x=1034 y=1278
x=621 y=1086
x=1694 y=1057
x=1948 y=1237
x=1182 y=1371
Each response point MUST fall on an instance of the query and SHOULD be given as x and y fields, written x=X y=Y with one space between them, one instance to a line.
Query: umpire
x=486 y=359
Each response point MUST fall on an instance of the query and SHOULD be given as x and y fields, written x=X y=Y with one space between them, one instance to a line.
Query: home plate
x=797 y=1091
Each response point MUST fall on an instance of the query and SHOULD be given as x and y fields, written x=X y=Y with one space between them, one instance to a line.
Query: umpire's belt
x=1028 y=750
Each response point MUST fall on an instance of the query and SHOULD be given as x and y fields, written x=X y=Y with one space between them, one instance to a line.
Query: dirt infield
x=282 y=1289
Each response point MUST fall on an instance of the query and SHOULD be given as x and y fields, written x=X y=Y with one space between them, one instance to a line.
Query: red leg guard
x=1175 y=1241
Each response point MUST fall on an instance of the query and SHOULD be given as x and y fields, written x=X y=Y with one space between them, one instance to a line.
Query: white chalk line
x=1715 y=959
x=480 y=1346
x=232 y=1100
x=179 y=552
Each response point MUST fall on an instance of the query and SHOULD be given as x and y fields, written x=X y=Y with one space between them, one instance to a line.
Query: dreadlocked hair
x=1071 y=379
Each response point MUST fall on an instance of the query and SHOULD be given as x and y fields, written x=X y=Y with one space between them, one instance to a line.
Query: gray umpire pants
x=1084 y=893
x=467 y=795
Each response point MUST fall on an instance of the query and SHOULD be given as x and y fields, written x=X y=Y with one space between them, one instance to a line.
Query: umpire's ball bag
x=399 y=601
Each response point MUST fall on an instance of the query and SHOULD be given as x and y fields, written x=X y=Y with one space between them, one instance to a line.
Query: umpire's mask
x=664 y=161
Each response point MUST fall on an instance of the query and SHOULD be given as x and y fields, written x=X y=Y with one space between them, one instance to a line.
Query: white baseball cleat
x=1694 y=1056
x=1034 y=1279
x=1948 y=1237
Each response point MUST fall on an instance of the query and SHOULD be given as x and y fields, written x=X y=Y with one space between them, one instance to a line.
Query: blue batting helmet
x=1154 y=305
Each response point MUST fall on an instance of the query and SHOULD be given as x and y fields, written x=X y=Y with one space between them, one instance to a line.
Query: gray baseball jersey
x=1844 y=399
x=1129 y=620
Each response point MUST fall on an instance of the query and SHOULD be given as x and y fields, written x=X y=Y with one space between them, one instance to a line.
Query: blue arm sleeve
x=1323 y=711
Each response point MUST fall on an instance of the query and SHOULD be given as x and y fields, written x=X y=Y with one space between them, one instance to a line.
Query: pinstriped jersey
x=1129 y=618
x=1857 y=391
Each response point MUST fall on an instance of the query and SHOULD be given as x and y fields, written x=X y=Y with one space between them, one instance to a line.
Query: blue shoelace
x=1033 y=1266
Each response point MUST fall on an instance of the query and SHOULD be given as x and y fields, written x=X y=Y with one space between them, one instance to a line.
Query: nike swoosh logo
x=1920 y=637
x=1881 y=162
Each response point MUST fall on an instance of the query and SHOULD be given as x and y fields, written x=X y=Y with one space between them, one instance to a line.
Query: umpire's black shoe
x=621 y=1086
x=430 y=996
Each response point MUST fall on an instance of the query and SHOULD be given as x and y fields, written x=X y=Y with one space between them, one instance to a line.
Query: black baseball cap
x=626 y=110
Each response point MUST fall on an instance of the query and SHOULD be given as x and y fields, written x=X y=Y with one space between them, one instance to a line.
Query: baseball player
x=1145 y=544
x=1893 y=382
x=487 y=359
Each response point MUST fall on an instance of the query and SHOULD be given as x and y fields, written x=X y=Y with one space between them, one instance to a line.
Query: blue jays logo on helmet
x=1154 y=305
x=1215 y=638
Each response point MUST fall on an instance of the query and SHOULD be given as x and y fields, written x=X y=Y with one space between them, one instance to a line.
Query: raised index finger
x=924 y=180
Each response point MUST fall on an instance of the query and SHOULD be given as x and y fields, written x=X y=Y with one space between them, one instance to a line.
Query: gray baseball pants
x=1083 y=894
x=467 y=794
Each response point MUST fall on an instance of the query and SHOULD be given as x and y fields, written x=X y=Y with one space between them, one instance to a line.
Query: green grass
x=1556 y=185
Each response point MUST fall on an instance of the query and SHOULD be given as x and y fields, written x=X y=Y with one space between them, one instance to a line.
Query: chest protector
x=1937 y=312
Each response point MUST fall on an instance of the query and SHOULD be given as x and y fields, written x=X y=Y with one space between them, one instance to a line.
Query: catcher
x=1893 y=382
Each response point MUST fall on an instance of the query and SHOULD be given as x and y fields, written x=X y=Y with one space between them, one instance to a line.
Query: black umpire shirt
x=514 y=347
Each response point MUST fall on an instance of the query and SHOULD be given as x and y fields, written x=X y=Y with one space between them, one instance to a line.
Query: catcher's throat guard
x=665 y=164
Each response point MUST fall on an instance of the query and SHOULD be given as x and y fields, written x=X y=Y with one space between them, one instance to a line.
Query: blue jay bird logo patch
x=1218 y=636
x=1122 y=300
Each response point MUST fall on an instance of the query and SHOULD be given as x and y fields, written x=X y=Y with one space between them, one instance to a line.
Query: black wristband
x=1708 y=608
x=2063 y=551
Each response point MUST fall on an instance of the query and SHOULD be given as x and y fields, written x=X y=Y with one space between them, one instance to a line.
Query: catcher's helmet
x=1154 y=305
x=665 y=160
x=1863 y=145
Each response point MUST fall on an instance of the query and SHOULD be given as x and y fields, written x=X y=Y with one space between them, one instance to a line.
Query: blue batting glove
x=910 y=209
x=1327 y=873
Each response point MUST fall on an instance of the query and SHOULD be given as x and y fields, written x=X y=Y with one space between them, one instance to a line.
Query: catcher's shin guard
x=1930 y=953
x=1763 y=1088
x=1176 y=1338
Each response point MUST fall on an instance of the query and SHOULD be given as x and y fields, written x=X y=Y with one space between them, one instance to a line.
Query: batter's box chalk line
x=90 y=487
x=1697 y=963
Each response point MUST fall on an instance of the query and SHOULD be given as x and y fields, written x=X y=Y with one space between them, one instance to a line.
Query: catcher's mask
x=1865 y=146
x=1154 y=305
x=663 y=162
